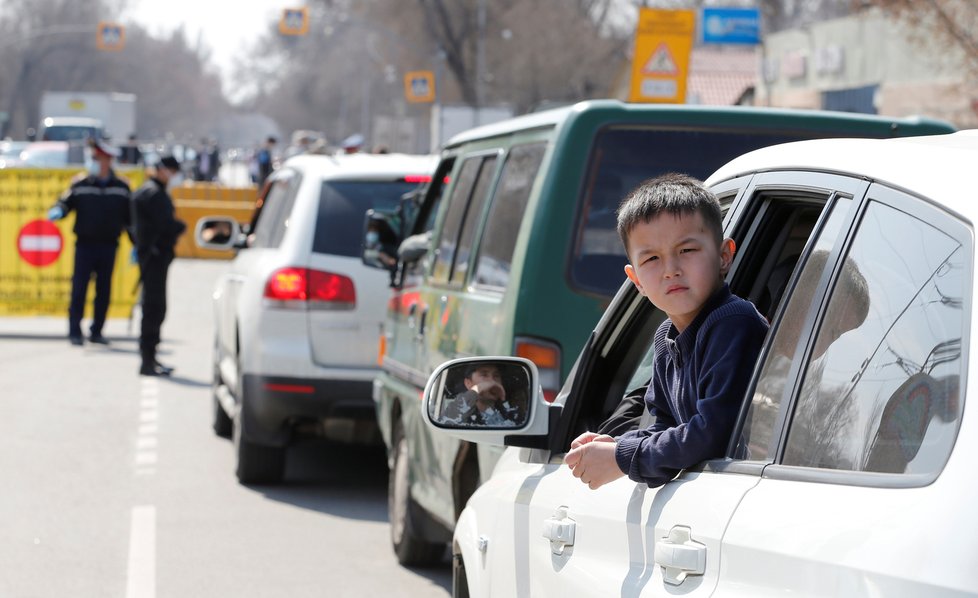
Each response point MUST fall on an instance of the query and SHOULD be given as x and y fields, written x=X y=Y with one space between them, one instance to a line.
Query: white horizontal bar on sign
x=40 y=243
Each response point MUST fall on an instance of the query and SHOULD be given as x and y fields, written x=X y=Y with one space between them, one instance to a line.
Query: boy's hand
x=592 y=459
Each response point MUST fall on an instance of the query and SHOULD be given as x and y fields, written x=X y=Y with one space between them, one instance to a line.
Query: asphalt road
x=115 y=485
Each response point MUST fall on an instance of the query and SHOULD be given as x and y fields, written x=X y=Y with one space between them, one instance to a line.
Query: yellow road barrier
x=37 y=256
x=199 y=200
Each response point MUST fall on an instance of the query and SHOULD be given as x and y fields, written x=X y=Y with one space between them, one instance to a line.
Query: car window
x=480 y=194
x=506 y=213
x=623 y=157
x=458 y=203
x=272 y=222
x=757 y=435
x=882 y=383
x=342 y=206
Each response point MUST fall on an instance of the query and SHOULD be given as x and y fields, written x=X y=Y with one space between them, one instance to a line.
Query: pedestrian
x=156 y=230
x=130 y=151
x=352 y=144
x=100 y=201
x=266 y=160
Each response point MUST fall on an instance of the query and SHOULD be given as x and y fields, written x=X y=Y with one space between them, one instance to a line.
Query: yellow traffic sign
x=660 y=63
x=419 y=86
x=294 y=21
x=110 y=36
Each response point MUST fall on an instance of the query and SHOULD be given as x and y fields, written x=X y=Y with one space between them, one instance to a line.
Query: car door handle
x=680 y=556
x=560 y=530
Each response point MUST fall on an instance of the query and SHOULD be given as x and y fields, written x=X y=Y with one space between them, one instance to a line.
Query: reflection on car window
x=472 y=219
x=766 y=402
x=271 y=223
x=506 y=214
x=457 y=204
x=881 y=388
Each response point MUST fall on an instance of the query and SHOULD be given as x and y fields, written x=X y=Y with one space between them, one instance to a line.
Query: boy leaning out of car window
x=705 y=351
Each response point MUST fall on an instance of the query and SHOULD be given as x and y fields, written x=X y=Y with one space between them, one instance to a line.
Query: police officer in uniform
x=100 y=201
x=156 y=230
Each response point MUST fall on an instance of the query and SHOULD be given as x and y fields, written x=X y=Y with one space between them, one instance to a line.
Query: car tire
x=223 y=425
x=256 y=463
x=410 y=548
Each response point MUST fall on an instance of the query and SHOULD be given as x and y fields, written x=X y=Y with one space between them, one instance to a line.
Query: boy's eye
x=651 y=258
x=687 y=250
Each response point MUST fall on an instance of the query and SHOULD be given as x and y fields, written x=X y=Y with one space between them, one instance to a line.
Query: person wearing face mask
x=100 y=201
x=156 y=230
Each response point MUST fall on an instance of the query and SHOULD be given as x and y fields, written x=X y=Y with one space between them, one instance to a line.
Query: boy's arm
x=655 y=457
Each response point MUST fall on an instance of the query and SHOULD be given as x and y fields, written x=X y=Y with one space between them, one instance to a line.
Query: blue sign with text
x=731 y=26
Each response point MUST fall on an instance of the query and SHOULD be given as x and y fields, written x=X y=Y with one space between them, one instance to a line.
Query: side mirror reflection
x=481 y=394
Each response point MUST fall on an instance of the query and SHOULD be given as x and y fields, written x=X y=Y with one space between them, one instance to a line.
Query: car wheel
x=257 y=463
x=411 y=550
x=223 y=426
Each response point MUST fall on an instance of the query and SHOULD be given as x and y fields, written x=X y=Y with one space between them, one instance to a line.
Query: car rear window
x=342 y=205
x=623 y=157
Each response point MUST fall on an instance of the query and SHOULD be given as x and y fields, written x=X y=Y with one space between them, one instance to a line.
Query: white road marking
x=141 y=572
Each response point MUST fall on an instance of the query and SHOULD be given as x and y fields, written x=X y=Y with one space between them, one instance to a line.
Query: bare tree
x=953 y=22
x=50 y=45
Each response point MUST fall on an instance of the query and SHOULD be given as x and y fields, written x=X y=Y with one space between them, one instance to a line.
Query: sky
x=225 y=26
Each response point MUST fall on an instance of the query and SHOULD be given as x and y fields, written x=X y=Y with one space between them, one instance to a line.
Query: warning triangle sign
x=661 y=62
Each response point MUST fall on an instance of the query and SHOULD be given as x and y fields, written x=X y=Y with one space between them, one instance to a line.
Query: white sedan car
x=851 y=469
x=297 y=313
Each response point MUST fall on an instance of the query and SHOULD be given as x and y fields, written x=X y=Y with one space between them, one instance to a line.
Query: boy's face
x=676 y=263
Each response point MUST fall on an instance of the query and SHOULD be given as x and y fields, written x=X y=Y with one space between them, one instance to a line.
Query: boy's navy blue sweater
x=698 y=385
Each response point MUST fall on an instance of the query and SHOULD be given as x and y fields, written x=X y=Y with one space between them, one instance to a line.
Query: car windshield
x=342 y=205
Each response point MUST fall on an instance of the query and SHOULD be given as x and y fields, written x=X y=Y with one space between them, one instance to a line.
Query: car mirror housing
x=486 y=399
x=217 y=232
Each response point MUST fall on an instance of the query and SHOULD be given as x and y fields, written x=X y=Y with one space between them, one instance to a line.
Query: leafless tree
x=952 y=22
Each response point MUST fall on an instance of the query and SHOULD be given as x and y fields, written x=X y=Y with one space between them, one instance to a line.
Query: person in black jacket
x=100 y=201
x=156 y=232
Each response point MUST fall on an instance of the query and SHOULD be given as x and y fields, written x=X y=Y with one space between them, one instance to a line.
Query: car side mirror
x=487 y=399
x=218 y=232
x=414 y=247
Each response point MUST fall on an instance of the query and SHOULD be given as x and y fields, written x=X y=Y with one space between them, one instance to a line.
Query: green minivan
x=512 y=249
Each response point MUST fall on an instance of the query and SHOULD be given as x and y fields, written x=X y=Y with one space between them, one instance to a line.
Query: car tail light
x=313 y=289
x=546 y=356
x=417 y=178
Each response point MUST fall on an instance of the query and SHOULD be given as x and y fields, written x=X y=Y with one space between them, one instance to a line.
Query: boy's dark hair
x=676 y=194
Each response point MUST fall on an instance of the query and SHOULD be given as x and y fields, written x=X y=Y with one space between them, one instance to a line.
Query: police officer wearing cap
x=156 y=230
x=100 y=201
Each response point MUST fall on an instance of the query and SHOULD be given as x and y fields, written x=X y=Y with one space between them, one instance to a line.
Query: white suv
x=297 y=313
x=850 y=471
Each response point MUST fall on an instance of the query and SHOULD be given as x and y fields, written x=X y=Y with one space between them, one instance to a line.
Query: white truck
x=115 y=111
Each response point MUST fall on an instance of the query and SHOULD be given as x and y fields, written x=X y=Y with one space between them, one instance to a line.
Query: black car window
x=342 y=205
x=882 y=387
x=506 y=214
x=623 y=157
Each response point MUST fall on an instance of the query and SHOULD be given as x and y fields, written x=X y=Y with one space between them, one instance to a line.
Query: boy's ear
x=728 y=247
x=630 y=273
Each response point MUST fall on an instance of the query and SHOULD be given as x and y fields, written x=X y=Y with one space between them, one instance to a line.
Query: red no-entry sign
x=39 y=243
